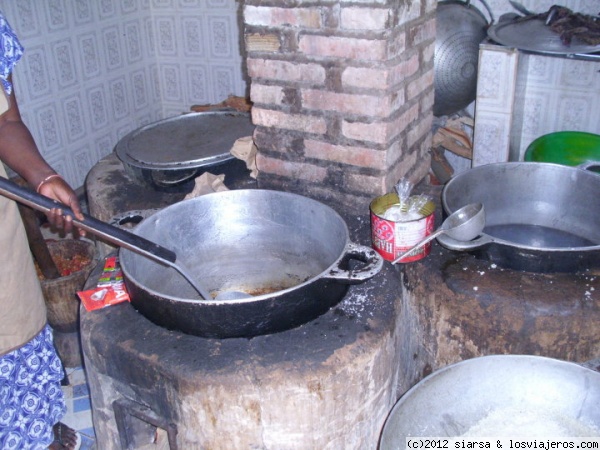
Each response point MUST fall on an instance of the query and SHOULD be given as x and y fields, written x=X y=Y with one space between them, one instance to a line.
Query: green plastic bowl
x=569 y=148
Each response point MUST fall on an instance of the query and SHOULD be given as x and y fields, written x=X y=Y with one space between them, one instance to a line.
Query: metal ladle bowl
x=464 y=224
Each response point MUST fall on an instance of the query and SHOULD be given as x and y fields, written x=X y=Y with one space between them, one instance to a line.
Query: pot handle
x=165 y=179
x=454 y=244
x=373 y=264
x=589 y=165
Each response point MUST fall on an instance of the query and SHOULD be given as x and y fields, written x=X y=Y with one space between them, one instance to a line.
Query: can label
x=391 y=238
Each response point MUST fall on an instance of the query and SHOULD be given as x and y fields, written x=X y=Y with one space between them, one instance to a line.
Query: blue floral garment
x=10 y=52
x=31 y=399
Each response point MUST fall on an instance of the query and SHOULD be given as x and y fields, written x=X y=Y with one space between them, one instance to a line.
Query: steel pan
x=453 y=400
x=540 y=217
x=290 y=252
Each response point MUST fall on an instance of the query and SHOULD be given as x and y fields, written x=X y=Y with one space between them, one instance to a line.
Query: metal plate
x=187 y=141
x=534 y=36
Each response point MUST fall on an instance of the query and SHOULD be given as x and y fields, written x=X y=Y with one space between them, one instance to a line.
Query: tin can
x=392 y=238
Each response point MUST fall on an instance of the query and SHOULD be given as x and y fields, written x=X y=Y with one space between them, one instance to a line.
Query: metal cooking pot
x=455 y=399
x=540 y=217
x=169 y=154
x=460 y=28
x=291 y=252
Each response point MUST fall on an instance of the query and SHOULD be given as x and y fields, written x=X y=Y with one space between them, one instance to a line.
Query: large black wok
x=540 y=217
x=290 y=252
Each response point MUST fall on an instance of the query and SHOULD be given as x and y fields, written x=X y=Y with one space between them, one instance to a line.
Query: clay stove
x=342 y=97
x=329 y=383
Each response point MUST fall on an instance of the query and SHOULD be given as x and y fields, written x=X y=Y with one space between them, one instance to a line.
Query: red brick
x=295 y=170
x=380 y=132
x=286 y=71
x=367 y=184
x=420 y=129
x=355 y=156
x=400 y=169
x=277 y=17
x=420 y=85
x=280 y=119
x=429 y=53
x=262 y=42
x=356 y=104
x=377 y=132
x=357 y=18
x=270 y=95
x=408 y=11
x=343 y=47
x=422 y=32
x=379 y=78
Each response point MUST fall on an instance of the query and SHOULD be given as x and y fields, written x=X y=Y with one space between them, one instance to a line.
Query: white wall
x=521 y=96
x=94 y=70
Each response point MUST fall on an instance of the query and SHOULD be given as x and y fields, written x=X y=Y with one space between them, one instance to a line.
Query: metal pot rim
x=331 y=272
x=486 y=239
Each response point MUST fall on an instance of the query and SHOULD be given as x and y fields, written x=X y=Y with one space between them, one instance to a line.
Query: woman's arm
x=19 y=152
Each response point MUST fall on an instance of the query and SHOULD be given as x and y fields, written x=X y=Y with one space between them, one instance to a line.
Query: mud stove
x=330 y=383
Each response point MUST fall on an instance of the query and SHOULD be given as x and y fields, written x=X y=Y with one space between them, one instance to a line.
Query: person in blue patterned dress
x=31 y=398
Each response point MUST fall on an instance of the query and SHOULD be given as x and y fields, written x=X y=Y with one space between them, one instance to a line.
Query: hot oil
x=537 y=236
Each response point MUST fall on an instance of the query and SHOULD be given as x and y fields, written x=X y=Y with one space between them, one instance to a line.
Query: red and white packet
x=110 y=289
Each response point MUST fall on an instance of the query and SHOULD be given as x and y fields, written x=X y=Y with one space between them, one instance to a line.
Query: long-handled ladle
x=112 y=234
x=464 y=224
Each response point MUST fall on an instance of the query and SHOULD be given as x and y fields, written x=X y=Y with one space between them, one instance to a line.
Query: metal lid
x=533 y=35
x=187 y=141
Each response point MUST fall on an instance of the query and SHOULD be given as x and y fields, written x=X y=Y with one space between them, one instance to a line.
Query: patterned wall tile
x=171 y=82
x=26 y=18
x=106 y=8
x=139 y=89
x=491 y=140
x=221 y=45
x=83 y=11
x=89 y=55
x=166 y=37
x=48 y=124
x=102 y=146
x=119 y=97
x=56 y=15
x=133 y=42
x=573 y=111
x=129 y=6
x=496 y=77
x=111 y=37
x=554 y=93
x=97 y=104
x=197 y=84
x=82 y=162
x=38 y=73
x=192 y=29
x=74 y=115
x=64 y=57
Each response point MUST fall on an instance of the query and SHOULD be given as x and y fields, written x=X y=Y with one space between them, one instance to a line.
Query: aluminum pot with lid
x=169 y=154
x=540 y=217
x=292 y=253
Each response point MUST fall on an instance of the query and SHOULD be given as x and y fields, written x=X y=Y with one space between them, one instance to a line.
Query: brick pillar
x=342 y=93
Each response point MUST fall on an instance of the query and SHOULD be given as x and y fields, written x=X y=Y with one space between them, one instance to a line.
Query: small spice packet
x=109 y=290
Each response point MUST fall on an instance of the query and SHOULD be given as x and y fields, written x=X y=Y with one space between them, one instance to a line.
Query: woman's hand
x=58 y=189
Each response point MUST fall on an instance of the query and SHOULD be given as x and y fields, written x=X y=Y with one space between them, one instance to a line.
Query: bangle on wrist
x=45 y=180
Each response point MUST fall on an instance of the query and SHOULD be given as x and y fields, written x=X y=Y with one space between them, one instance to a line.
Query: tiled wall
x=94 y=70
x=522 y=96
